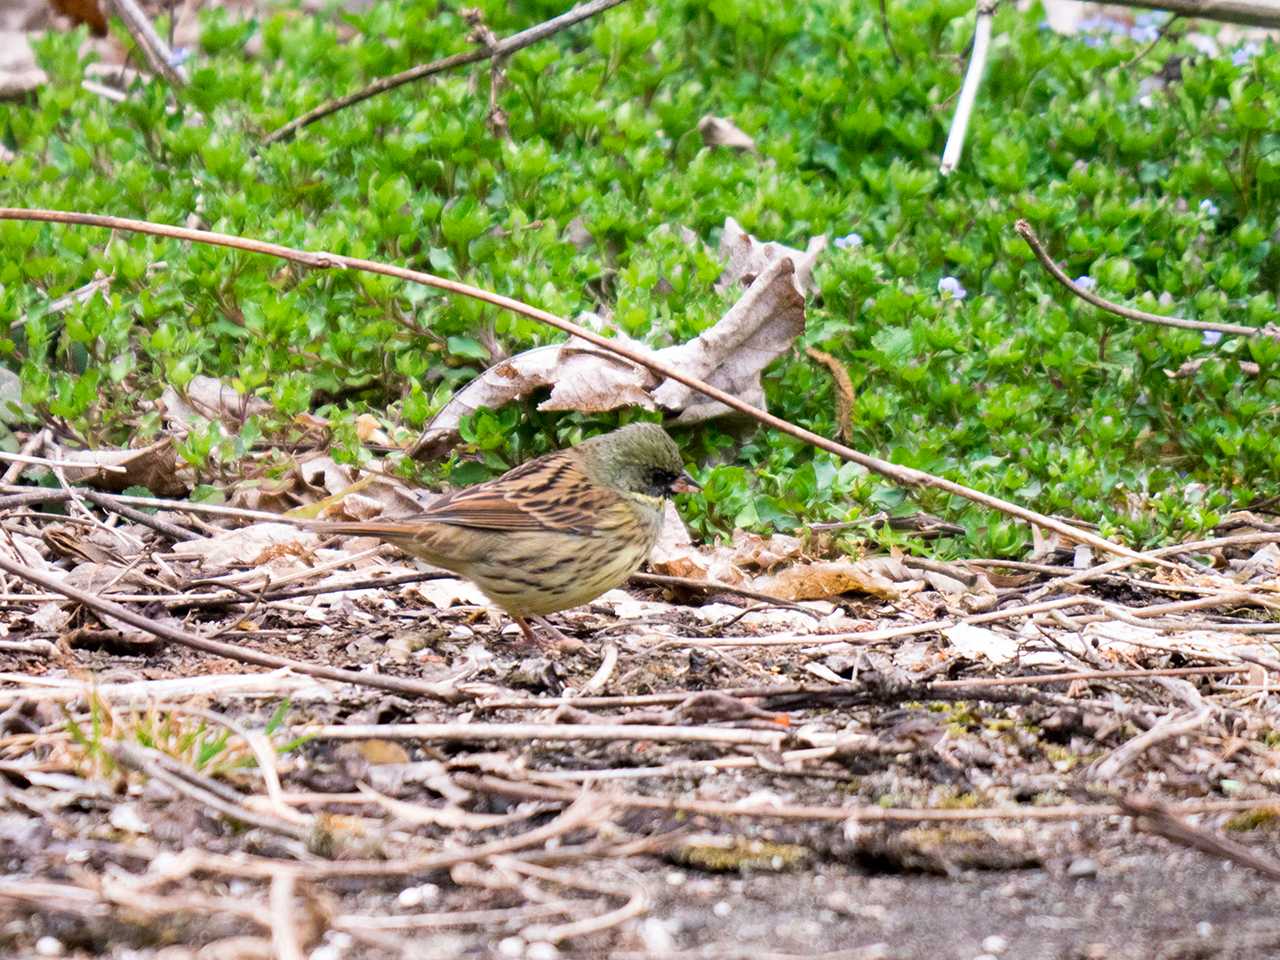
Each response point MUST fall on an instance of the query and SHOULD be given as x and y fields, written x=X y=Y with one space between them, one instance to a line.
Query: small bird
x=553 y=533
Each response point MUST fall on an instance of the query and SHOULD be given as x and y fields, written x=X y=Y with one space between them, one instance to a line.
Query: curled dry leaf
x=845 y=396
x=746 y=258
x=719 y=132
x=883 y=577
x=731 y=355
x=778 y=566
x=979 y=643
x=154 y=467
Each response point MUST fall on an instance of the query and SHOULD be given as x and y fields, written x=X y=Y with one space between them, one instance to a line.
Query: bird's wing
x=550 y=493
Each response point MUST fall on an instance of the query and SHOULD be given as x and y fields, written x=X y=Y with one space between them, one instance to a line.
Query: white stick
x=969 y=92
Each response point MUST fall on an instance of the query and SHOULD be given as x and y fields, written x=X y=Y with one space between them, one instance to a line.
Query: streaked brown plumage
x=555 y=532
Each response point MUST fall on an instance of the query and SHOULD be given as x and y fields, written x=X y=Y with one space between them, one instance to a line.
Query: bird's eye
x=660 y=482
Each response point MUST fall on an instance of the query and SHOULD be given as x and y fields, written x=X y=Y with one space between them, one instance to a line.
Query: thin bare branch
x=1129 y=313
x=1253 y=13
x=907 y=476
x=413 y=688
x=503 y=48
x=153 y=47
x=1162 y=820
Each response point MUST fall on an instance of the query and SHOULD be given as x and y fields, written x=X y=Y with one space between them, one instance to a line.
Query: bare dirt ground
x=843 y=814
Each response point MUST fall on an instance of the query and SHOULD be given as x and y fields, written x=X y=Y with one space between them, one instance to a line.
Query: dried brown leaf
x=731 y=355
x=882 y=577
x=154 y=467
x=719 y=132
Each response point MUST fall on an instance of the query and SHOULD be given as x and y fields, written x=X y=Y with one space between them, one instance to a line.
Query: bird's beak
x=685 y=484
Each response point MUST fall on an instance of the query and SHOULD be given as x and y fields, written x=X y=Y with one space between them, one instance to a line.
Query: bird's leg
x=527 y=630
x=555 y=640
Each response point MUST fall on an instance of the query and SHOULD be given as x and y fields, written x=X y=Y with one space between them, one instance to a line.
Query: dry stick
x=1196 y=546
x=907 y=476
x=172 y=531
x=157 y=52
x=1129 y=313
x=284 y=933
x=455 y=918
x=1155 y=817
x=413 y=688
x=148 y=762
x=1170 y=728
x=503 y=48
x=1254 y=13
x=868 y=814
x=608 y=732
x=712 y=586
x=1086 y=675
x=922 y=691
x=23 y=458
x=969 y=91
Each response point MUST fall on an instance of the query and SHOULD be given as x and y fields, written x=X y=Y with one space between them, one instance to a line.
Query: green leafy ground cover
x=1012 y=389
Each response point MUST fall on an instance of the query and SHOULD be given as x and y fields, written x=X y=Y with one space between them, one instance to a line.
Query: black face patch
x=660 y=482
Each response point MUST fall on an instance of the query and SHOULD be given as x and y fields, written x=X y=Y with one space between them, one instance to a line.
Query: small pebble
x=657 y=936
x=418 y=895
x=511 y=947
x=541 y=950
x=995 y=944
x=1204 y=929
x=1082 y=867
x=50 y=947
x=722 y=909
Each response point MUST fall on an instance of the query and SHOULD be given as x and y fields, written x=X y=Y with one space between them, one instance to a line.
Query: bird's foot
x=552 y=639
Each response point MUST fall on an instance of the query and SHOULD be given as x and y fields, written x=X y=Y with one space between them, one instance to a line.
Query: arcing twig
x=969 y=91
x=585 y=810
x=413 y=688
x=1142 y=54
x=153 y=47
x=503 y=48
x=1028 y=234
x=1177 y=549
x=908 y=476
x=636 y=896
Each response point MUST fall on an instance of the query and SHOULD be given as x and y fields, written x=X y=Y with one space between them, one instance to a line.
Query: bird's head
x=637 y=459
